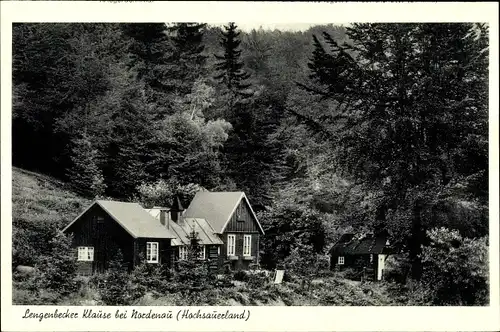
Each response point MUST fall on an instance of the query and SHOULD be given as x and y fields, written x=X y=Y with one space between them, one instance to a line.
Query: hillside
x=40 y=198
x=40 y=206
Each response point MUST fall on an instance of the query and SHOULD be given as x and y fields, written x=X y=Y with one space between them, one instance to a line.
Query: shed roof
x=185 y=226
x=217 y=208
x=133 y=218
x=349 y=245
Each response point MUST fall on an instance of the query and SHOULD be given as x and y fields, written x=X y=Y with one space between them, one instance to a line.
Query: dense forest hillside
x=364 y=129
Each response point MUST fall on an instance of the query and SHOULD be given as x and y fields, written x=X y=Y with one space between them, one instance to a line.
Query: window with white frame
x=231 y=242
x=341 y=260
x=152 y=252
x=86 y=254
x=201 y=253
x=183 y=253
x=247 y=245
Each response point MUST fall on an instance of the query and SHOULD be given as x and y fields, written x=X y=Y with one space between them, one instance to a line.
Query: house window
x=152 y=252
x=247 y=245
x=86 y=254
x=100 y=219
x=183 y=253
x=341 y=260
x=201 y=253
x=231 y=240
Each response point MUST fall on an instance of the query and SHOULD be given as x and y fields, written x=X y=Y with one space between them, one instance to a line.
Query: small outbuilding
x=366 y=253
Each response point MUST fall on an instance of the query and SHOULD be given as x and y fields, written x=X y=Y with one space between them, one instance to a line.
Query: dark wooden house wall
x=241 y=223
x=354 y=261
x=106 y=237
x=242 y=220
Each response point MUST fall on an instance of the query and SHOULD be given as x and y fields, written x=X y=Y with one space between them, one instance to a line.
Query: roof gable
x=217 y=208
x=132 y=217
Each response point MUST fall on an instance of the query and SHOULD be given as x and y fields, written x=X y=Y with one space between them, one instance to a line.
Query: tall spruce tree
x=229 y=66
x=85 y=175
x=149 y=50
x=410 y=111
x=187 y=62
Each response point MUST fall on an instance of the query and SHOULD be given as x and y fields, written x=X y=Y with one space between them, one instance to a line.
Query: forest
x=357 y=128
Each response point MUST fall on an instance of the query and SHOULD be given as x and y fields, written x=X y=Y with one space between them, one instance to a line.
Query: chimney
x=164 y=219
x=176 y=210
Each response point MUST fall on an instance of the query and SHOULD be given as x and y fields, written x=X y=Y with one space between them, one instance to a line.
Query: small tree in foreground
x=148 y=277
x=58 y=269
x=193 y=272
x=115 y=286
x=305 y=263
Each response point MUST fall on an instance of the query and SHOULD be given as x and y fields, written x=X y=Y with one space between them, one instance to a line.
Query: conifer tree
x=130 y=143
x=187 y=62
x=149 y=50
x=147 y=47
x=85 y=175
x=229 y=66
x=58 y=269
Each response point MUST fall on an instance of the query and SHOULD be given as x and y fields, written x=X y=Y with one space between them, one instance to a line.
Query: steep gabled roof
x=133 y=218
x=184 y=227
x=217 y=208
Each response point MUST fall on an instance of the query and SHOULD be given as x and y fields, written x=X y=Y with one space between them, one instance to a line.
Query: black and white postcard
x=254 y=166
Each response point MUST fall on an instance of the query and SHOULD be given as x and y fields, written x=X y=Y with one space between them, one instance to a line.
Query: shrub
x=58 y=270
x=193 y=275
x=114 y=286
x=222 y=281
x=305 y=264
x=54 y=276
x=456 y=268
x=30 y=239
x=257 y=280
x=352 y=273
x=149 y=278
x=397 y=268
x=241 y=275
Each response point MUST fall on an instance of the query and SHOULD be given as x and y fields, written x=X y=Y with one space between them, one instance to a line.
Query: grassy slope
x=40 y=198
